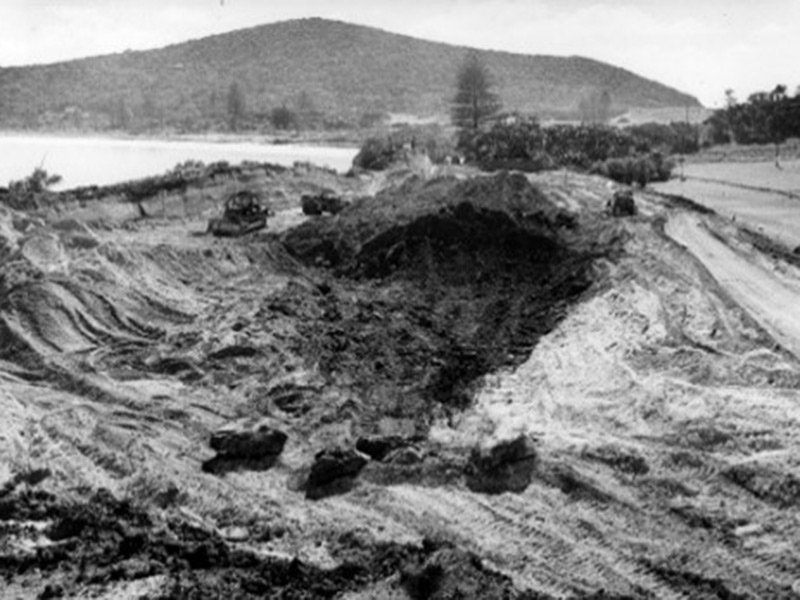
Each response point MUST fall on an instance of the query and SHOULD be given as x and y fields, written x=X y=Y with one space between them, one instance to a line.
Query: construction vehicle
x=244 y=213
x=621 y=204
x=321 y=203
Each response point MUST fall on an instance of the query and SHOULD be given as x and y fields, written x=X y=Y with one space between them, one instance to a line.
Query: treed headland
x=302 y=74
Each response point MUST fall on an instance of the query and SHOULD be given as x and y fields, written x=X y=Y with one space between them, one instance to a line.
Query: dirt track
x=772 y=302
x=444 y=315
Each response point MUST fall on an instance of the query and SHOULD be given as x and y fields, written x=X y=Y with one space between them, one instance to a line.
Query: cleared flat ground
x=756 y=174
x=757 y=194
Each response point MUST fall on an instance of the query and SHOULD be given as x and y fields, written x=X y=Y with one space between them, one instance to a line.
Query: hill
x=328 y=71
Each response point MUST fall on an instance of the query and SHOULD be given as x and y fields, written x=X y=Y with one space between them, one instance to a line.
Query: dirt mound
x=447 y=289
x=335 y=242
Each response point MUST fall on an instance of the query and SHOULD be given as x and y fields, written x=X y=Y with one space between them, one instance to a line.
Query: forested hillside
x=310 y=73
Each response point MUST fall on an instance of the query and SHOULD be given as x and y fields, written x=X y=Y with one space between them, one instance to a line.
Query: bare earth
x=650 y=363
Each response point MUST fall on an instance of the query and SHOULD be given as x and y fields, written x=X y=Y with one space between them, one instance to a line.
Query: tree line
x=211 y=110
x=635 y=153
x=764 y=118
x=494 y=139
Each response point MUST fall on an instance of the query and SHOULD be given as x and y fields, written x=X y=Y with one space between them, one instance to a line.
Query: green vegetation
x=35 y=183
x=283 y=118
x=595 y=107
x=23 y=193
x=330 y=74
x=765 y=118
x=668 y=138
x=521 y=143
x=237 y=107
x=379 y=152
x=474 y=102
x=640 y=170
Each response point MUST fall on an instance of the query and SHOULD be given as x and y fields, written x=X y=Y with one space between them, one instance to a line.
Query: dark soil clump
x=102 y=542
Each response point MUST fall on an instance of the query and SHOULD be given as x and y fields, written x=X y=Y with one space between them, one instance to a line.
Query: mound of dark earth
x=98 y=543
x=452 y=279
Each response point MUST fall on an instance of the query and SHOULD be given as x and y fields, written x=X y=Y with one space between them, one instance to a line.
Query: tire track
x=554 y=556
x=774 y=306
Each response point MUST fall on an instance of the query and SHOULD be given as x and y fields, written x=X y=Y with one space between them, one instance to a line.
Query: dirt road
x=768 y=300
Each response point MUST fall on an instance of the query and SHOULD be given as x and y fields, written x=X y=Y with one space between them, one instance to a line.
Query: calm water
x=87 y=161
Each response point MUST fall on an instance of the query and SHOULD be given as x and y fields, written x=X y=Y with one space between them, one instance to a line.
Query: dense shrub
x=375 y=154
x=640 y=170
x=569 y=145
x=512 y=139
x=283 y=118
x=35 y=183
x=23 y=194
x=765 y=118
x=378 y=153
x=624 y=156
x=672 y=138
x=583 y=145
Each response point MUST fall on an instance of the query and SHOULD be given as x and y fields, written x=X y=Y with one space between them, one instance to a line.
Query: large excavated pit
x=425 y=292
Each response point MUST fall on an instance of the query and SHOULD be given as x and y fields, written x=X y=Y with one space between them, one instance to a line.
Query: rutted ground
x=654 y=422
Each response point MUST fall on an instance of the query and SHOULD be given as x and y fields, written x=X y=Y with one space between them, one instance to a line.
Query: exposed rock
x=505 y=467
x=235 y=534
x=379 y=447
x=748 y=530
x=333 y=472
x=255 y=447
x=248 y=443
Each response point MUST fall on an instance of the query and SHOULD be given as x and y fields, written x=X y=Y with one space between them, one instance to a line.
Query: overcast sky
x=698 y=46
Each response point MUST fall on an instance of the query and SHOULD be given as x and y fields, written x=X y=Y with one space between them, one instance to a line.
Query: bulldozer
x=244 y=213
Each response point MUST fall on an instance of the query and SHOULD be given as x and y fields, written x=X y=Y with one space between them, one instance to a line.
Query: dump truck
x=245 y=212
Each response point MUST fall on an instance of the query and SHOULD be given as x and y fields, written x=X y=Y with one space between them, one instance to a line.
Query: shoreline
x=327 y=139
x=84 y=160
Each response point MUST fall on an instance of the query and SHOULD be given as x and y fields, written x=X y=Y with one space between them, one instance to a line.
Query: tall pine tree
x=475 y=101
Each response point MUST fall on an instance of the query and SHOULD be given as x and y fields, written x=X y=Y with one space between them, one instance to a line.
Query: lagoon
x=101 y=161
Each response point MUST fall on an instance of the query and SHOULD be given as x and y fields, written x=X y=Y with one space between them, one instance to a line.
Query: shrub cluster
x=633 y=155
x=377 y=153
x=640 y=169
x=765 y=118
x=583 y=145
x=622 y=155
x=671 y=138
